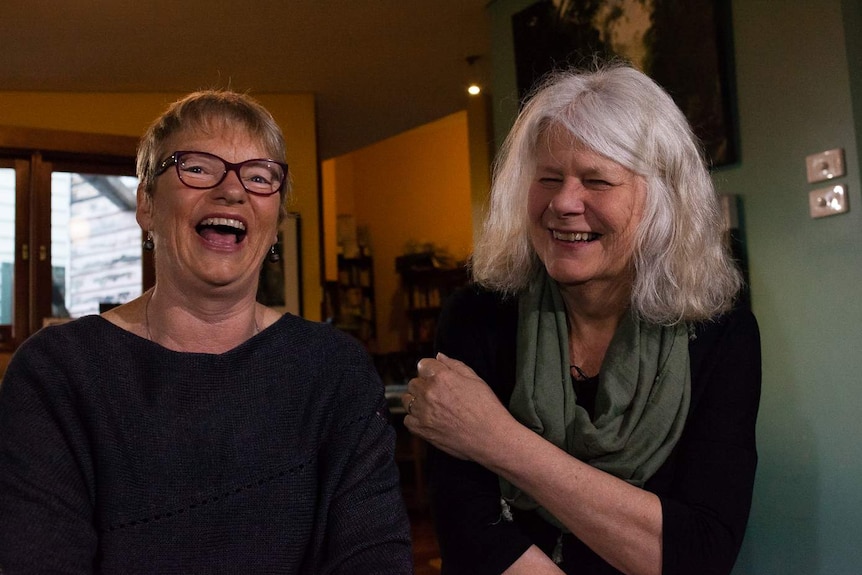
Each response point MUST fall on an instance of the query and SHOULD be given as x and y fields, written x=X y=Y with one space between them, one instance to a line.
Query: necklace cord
x=578 y=373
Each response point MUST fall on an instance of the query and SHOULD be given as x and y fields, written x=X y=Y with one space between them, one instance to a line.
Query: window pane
x=7 y=243
x=95 y=242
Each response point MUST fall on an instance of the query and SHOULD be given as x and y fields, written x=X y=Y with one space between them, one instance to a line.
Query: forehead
x=557 y=145
x=233 y=142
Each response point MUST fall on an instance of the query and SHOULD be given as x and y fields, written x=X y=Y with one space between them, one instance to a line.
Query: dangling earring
x=273 y=255
x=148 y=244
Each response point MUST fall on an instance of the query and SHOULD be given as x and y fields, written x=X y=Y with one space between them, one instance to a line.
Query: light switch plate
x=828 y=201
x=825 y=165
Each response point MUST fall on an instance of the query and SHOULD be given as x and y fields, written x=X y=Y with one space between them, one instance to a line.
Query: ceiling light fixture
x=473 y=88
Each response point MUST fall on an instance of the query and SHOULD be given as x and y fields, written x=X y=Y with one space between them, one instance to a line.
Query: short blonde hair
x=207 y=110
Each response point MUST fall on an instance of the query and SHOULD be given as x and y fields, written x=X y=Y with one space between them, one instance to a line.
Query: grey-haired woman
x=594 y=401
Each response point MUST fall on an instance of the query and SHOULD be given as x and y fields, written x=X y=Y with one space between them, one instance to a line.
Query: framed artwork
x=685 y=46
x=280 y=285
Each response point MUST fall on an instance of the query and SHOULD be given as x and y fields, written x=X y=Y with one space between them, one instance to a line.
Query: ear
x=144 y=209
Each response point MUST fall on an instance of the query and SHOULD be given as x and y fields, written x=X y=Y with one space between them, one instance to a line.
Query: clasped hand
x=453 y=408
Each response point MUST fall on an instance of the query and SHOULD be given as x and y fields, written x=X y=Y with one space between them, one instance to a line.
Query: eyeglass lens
x=202 y=170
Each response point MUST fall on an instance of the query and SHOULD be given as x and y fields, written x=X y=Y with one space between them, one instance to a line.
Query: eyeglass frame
x=175 y=157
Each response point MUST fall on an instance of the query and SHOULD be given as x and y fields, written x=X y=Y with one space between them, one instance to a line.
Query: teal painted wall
x=798 y=66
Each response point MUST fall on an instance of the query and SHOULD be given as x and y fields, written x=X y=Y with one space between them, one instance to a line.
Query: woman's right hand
x=457 y=411
x=454 y=409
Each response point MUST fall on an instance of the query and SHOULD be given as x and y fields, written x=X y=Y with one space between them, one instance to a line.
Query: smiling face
x=210 y=238
x=583 y=210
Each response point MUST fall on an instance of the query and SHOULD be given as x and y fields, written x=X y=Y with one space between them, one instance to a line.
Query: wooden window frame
x=35 y=153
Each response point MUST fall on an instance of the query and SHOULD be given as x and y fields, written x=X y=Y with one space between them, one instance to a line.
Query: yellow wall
x=412 y=188
x=129 y=114
x=329 y=209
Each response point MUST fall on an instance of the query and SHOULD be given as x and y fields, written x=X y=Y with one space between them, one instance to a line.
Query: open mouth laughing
x=213 y=229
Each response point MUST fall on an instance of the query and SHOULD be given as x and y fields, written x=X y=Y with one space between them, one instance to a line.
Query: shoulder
x=72 y=341
x=88 y=326
x=473 y=310
x=476 y=296
x=317 y=352
x=59 y=367
x=473 y=304
x=479 y=327
x=301 y=333
x=738 y=318
x=726 y=362
x=733 y=333
x=320 y=341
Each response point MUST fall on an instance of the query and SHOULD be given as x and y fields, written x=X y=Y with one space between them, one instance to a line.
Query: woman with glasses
x=595 y=399
x=194 y=430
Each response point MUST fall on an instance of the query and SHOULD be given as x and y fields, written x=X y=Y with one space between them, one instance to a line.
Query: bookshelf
x=350 y=300
x=426 y=283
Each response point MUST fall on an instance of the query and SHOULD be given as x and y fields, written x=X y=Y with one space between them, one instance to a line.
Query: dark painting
x=684 y=45
x=270 y=287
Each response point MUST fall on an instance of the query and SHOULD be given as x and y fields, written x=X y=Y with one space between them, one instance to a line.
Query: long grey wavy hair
x=683 y=269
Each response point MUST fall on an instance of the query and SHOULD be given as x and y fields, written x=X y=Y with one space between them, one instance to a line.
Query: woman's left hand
x=453 y=408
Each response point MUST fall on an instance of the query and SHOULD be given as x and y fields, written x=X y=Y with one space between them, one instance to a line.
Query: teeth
x=231 y=223
x=574 y=236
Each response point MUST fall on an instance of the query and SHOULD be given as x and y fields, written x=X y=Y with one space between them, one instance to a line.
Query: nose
x=231 y=189
x=569 y=198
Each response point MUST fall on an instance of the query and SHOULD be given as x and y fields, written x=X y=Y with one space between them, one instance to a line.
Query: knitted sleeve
x=367 y=527
x=46 y=507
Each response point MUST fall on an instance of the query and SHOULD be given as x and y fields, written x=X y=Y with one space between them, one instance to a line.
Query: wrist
x=494 y=448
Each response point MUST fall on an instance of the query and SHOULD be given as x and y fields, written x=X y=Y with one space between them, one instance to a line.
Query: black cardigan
x=705 y=486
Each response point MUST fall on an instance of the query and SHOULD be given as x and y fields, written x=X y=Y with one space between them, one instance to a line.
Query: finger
x=415 y=385
x=407 y=401
x=455 y=365
x=411 y=423
x=428 y=367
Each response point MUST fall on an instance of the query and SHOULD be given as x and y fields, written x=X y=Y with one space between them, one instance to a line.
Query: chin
x=567 y=272
x=570 y=281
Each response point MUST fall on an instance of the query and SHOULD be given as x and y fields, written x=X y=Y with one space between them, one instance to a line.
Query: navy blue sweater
x=120 y=456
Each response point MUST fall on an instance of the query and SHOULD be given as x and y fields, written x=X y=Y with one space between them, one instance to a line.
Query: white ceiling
x=376 y=67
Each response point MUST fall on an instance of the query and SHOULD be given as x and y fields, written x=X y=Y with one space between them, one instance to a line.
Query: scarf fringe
x=505 y=511
x=557 y=555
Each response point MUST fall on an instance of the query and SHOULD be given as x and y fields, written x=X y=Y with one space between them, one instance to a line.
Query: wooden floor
x=426 y=553
x=410 y=456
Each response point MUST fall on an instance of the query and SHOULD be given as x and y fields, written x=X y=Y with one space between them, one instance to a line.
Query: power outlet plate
x=828 y=201
x=825 y=165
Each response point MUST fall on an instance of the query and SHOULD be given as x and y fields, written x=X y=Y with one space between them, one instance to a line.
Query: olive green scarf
x=641 y=404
